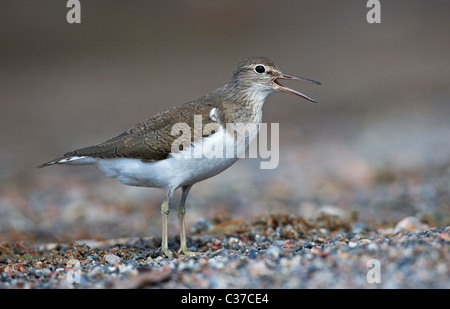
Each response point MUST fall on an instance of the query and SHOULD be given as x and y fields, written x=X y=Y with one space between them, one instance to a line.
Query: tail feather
x=52 y=162
x=68 y=160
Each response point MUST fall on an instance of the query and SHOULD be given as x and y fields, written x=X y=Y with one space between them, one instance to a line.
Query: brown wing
x=150 y=139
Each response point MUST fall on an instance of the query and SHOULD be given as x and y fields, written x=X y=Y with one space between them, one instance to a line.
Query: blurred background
x=377 y=143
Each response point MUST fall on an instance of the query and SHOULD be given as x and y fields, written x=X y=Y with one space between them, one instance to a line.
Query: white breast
x=179 y=169
x=205 y=158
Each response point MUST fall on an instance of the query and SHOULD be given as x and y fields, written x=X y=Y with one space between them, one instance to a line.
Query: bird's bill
x=286 y=89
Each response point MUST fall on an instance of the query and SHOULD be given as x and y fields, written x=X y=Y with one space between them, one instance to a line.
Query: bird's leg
x=181 y=214
x=165 y=215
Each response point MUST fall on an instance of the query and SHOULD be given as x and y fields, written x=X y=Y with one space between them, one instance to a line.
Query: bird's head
x=261 y=75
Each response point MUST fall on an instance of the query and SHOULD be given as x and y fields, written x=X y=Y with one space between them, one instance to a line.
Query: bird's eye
x=260 y=69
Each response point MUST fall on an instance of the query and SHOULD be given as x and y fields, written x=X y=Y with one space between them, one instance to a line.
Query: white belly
x=217 y=152
x=168 y=173
x=179 y=169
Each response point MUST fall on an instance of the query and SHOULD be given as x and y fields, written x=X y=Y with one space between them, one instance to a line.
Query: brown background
x=377 y=142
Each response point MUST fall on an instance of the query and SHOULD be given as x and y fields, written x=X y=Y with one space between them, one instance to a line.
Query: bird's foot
x=166 y=252
x=186 y=252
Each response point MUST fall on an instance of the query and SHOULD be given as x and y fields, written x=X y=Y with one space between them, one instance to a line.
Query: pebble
x=259 y=238
x=252 y=254
x=372 y=247
x=352 y=244
x=112 y=259
x=202 y=225
x=408 y=224
x=273 y=252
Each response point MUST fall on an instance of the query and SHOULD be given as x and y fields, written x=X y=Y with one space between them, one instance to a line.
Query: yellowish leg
x=181 y=214
x=165 y=215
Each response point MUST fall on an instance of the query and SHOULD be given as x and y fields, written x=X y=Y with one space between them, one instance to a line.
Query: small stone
x=364 y=241
x=323 y=231
x=112 y=259
x=315 y=250
x=274 y=236
x=252 y=254
x=205 y=239
x=232 y=240
x=352 y=244
x=320 y=240
x=408 y=224
x=289 y=244
x=201 y=225
x=273 y=252
x=259 y=238
x=39 y=273
x=372 y=247
x=444 y=235
x=132 y=263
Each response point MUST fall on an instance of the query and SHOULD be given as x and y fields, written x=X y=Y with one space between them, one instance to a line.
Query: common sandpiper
x=150 y=154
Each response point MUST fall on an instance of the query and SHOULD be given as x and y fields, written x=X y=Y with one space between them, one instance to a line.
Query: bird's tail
x=73 y=160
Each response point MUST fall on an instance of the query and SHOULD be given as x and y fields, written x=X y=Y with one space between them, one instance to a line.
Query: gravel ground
x=276 y=251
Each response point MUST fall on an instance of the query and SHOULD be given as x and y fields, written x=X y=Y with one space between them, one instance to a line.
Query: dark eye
x=260 y=69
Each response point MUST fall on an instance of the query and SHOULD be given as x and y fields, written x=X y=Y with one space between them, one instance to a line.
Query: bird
x=170 y=150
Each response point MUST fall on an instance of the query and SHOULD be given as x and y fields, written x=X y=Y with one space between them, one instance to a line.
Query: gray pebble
x=202 y=225
x=112 y=258
x=372 y=247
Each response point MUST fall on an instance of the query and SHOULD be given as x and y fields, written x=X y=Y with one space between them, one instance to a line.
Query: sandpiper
x=145 y=154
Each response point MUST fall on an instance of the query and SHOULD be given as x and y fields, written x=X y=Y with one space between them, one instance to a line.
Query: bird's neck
x=243 y=104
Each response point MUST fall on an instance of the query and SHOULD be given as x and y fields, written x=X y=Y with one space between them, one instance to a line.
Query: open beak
x=284 y=88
